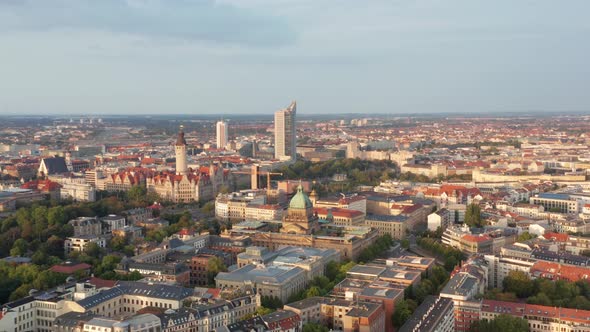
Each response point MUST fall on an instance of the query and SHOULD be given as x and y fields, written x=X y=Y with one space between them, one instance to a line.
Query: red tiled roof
x=41 y=185
x=186 y=231
x=265 y=206
x=556 y=271
x=215 y=292
x=566 y=314
x=102 y=283
x=352 y=199
x=411 y=208
x=516 y=309
x=338 y=212
x=155 y=206
x=69 y=268
x=475 y=238
x=558 y=237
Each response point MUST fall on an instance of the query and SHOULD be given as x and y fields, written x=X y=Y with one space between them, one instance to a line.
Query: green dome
x=300 y=200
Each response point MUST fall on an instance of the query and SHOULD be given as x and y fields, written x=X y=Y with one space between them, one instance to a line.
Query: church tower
x=180 y=148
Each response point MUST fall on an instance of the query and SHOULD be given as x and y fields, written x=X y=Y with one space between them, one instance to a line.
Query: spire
x=180 y=139
x=293 y=106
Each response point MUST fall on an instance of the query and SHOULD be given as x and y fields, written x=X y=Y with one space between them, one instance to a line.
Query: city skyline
x=183 y=57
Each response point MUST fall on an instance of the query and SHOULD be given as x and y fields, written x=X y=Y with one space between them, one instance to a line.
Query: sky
x=256 y=56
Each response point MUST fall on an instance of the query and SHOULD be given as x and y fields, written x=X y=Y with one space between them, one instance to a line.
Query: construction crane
x=255 y=173
x=268 y=174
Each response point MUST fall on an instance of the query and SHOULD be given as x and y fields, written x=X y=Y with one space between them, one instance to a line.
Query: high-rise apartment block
x=222 y=134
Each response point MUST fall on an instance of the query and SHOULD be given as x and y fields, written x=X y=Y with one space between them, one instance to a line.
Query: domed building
x=300 y=218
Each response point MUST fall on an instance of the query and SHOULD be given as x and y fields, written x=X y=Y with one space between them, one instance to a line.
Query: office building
x=285 y=133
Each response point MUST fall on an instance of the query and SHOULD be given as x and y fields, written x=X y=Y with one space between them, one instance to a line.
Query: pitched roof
x=476 y=238
x=556 y=271
x=69 y=268
x=558 y=237
x=55 y=165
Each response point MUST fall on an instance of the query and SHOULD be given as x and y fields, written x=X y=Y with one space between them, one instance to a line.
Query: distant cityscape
x=284 y=223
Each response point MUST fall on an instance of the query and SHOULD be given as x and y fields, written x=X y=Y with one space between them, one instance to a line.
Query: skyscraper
x=180 y=149
x=221 y=134
x=285 y=133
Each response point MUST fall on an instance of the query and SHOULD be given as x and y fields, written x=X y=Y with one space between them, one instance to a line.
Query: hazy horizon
x=206 y=57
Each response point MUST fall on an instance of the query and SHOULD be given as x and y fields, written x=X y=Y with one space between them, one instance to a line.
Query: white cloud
x=198 y=20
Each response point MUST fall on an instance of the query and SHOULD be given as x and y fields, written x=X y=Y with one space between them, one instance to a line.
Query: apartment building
x=86 y=226
x=232 y=207
x=500 y=266
x=80 y=243
x=539 y=318
x=340 y=315
x=435 y=314
x=556 y=202
x=440 y=218
x=462 y=289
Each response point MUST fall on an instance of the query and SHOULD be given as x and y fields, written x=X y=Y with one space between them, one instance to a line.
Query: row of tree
x=376 y=249
x=503 y=322
x=320 y=286
x=367 y=172
x=518 y=286
x=431 y=284
x=450 y=255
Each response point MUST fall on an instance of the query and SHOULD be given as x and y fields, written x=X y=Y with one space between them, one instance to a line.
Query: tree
x=313 y=291
x=405 y=243
x=118 y=243
x=39 y=215
x=40 y=257
x=92 y=249
x=314 y=327
x=137 y=194
x=214 y=266
x=56 y=216
x=208 y=208
x=402 y=312
x=473 y=215
x=332 y=269
x=518 y=283
x=450 y=263
x=540 y=298
x=503 y=322
x=525 y=236
x=271 y=302
x=19 y=248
